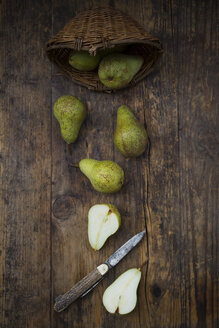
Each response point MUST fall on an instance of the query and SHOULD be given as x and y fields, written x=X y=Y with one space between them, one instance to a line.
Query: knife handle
x=63 y=301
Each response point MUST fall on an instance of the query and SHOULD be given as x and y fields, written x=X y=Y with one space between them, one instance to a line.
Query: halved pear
x=121 y=295
x=103 y=221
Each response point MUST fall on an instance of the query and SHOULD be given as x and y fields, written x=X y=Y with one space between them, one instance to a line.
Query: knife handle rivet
x=103 y=268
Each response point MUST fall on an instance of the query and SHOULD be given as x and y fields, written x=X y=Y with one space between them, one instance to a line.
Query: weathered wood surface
x=172 y=191
x=25 y=165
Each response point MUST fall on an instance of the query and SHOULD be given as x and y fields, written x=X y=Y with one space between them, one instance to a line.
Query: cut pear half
x=103 y=221
x=121 y=295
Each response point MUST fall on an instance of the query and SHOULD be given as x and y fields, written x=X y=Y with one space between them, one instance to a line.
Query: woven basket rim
x=63 y=42
x=157 y=44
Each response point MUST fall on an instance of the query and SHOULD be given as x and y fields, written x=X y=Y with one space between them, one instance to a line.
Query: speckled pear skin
x=117 y=70
x=130 y=137
x=105 y=176
x=70 y=113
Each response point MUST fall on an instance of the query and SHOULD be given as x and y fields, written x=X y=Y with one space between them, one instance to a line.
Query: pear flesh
x=130 y=137
x=117 y=70
x=70 y=113
x=105 y=176
x=103 y=221
x=121 y=295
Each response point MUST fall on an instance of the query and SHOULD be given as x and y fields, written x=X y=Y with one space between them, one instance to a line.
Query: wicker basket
x=102 y=28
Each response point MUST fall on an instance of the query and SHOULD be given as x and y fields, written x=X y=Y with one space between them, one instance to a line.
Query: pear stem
x=74 y=165
x=69 y=149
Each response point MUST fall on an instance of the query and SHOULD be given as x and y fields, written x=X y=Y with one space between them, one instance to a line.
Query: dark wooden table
x=172 y=191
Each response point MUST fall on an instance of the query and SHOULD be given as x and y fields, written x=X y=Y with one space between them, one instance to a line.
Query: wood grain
x=171 y=191
x=194 y=32
x=163 y=219
x=26 y=165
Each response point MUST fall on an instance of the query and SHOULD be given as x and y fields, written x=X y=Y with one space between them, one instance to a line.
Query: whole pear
x=130 y=137
x=84 y=61
x=117 y=70
x=70 y=113
x=105 y=176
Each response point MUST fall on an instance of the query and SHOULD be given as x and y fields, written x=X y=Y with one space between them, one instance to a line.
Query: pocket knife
x=85 y=285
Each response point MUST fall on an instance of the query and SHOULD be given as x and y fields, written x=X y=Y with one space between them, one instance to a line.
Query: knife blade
x=85 y=285
x=114 y=259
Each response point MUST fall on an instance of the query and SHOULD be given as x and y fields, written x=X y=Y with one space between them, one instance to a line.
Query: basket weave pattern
x=102 y=28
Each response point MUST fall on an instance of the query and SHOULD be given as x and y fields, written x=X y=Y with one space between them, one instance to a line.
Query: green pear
x=130 y=137
x=103 y=221
x=83 y=61
x=117 y=70
x=105 y=176
x=70 y=113
x=121 y=295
